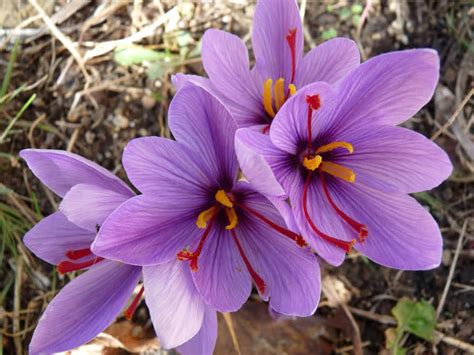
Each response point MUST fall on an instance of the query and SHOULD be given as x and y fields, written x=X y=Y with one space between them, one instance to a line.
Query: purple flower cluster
x=325 y=170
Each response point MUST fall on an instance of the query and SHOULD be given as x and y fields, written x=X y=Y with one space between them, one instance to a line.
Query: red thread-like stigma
x=346 y=246
x=298 y=239
x=68 y=266
x=256 y=277
x=133 y=306
x=358 y=227
x=78 y=253
x=291 y=40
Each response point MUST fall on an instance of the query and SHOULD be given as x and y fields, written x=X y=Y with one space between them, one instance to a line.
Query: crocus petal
x=253 y=148
x=84 y=307
x=330 y=61
x=272 y=22
x=201 y=122
x=221 y=278
x=289 y=130
x=389 y=88
x=204 y=342
x=156 y=164
x=61 y=170
x=317 y=207
x=396 y=159
x=54 y=236
x=402 y=234
x=147 y=229
x=290 y=272
x=179 y=80
x=176 y=309
x=225 y=59
x=88 y=206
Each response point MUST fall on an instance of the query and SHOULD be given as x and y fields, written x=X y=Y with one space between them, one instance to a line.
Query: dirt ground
x=89 y=101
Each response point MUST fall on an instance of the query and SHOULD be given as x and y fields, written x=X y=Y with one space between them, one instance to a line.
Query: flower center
x=206 y=220
x=313 y=160
x=272 y=103
x=66 y=266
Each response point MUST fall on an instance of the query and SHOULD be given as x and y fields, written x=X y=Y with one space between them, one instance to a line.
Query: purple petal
x=222 y=279
x=396 y=159
x=176 y=309
x=84 y=307
x=389 y=88
x=252 y=150
x=289 y=130
x=225 y=59
x=330 y=61
x=52 y=237
x=148 y=229
x=200 y=121
x=402 y=234
x=156 y=164
x=88 y=206
x=204 y=342
x=291 y=273
x=272 y=22
x=61 y=170
x=180 y=79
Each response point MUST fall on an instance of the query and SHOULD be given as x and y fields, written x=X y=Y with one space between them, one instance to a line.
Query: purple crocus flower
x=89 y=303
x=347 y=169
x=194 y=209
x=254 y=96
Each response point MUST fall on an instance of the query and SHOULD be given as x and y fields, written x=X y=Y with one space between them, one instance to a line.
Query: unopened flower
x=194 y=209
x=92 y=301
x=255 y=95
x=347 y=169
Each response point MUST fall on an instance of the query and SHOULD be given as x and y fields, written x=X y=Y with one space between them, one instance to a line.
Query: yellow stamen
x=338 y=171
x=267 y=97
x=292 y=89
x=279 y=90
x=331 y=146
x=312 y=163
x=223 y=199
x=205 y=216
x=232 y=217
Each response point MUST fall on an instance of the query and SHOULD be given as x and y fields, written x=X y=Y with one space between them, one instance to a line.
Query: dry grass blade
x=65 y=40
x=230 y=326
x=451 y=270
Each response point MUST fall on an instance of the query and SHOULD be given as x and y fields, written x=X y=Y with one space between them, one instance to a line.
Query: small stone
x=447 y=258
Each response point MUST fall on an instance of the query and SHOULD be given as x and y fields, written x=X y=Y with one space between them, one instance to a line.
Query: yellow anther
x=267 y=97
x=279 y=90
x=232 y=217
x=312 y=163
x=292 y=89
x=205 y=216
x=223 y=199
x=338 y=171
x=331 y=146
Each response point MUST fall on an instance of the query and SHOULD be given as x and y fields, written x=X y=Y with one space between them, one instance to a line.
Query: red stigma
x=68 y=266
x=255 y=277
x=314 y=103
x=358 y=227
x=291 y=40
x=78 y=254
x=133 y=305
x=298 y=239
x=346 y=246
x=193 y=256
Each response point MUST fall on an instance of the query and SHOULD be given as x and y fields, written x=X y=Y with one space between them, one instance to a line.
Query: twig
x=453 y=116
x=451 y=270
x=228 y=322
x=361 y=23
x=17 y=304
x=65 y=40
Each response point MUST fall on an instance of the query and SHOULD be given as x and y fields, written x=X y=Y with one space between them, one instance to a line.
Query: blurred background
x=88 y=76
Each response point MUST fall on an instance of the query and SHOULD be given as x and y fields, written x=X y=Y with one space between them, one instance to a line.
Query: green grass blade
x=18 y=115
x=8 y=73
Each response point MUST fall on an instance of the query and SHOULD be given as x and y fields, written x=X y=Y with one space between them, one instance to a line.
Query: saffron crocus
x=194 y=209
x=347 y=169
x=89 y=303
x=255 y=95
